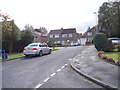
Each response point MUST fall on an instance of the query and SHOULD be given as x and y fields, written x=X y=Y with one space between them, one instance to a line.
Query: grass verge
x=53 y=49
x=114 y=55
x=12 y=56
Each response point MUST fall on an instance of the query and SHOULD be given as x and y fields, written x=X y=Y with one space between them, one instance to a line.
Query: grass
x=114 y=55
x=53 y=49
x=12 y=56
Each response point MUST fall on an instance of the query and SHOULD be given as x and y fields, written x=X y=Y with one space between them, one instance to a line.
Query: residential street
x=48 y=71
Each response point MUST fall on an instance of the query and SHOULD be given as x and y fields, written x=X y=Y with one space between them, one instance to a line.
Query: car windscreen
x=33 y=45
x=115 y=39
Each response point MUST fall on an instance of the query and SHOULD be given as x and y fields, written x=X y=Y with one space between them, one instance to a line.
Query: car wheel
x=49 y=52
x=40 y=53
x=26 y=55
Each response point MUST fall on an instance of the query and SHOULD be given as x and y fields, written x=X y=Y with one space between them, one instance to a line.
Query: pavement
x=88 y=64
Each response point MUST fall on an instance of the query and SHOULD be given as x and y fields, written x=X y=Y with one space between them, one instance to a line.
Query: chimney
x=61 y=28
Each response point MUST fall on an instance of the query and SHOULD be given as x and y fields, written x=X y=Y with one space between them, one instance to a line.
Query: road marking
x=82 y=57
x=39 y=85
x=69 y=59
x=58 y=70
x=81 y=63
x=63 y=67
x=52 y=74
x=46 y=79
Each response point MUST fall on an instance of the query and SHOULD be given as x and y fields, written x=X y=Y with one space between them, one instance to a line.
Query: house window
x=56 y=36
x=89 y=33
x=57 y=42
x=64 y=35
x=70 y=35
x=51 y=36
x=63 y=42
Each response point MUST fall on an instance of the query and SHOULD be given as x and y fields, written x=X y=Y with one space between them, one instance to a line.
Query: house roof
x=52 y=32
x=70 y=30
x=62 y=31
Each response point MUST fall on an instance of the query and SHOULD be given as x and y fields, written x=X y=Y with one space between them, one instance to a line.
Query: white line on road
x=58 y=70
x=82 y=57
x=63 y=67
x=69 y=59
x=52 y=74
x=46 y=79
x=38 y=86
x=81 y=62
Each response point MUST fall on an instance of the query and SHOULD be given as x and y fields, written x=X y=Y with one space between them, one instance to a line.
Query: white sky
x=53 y=14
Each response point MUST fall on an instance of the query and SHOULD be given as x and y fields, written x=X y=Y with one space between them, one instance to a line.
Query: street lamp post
x=96 y=21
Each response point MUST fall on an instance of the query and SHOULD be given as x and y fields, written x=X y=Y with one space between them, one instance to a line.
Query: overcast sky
x=53 y=14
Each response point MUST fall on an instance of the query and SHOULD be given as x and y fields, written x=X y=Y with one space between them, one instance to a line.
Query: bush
x=51 y=44
x=117 y=47
x=108 y=46
x=101 y=42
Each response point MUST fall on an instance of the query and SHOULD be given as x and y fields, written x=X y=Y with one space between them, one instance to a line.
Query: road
x=48 y=71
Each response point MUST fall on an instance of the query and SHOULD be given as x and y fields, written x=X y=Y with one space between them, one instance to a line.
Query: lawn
x=53 y=49
x=114 y=55
x=12 y=56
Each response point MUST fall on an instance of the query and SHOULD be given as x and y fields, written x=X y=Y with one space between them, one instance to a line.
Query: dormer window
x=70 y=35
x=64 y=35
x=89 y=33
x=57 y=36
x=51 y=36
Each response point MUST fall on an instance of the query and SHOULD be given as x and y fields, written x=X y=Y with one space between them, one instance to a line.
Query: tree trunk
x=10 y=45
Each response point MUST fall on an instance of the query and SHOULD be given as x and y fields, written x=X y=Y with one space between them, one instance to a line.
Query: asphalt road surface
x=48 y=71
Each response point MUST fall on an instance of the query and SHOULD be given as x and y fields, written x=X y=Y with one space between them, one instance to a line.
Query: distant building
x=38 y=37
x=87 y=36
x=63 y=36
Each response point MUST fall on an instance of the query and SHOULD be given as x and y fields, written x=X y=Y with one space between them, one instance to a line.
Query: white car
x=74 y=43
x=36 y=49
x=115 y=40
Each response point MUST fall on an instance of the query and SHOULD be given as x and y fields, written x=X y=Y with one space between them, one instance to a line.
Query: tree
x=42 y=30
x=108 y=18
x=26 y=37
x=28 y=27
x=10 y=31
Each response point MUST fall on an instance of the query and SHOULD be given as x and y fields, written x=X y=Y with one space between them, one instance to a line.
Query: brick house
x=87 y=36
x=38 y=37
x=63 y=36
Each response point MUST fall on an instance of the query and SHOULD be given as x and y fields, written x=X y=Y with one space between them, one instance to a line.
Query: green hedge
x=101 y=42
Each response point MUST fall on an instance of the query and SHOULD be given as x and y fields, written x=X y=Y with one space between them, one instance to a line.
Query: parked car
x=74 y=43
x=36 y=49
x=115 y=40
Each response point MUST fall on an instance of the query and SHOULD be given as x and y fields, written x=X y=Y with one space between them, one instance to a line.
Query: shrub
x=101 y=42
x=108 y=46
x=117 y=47
x=111 y=60
x=100 y=53
x=103 y=56
x=118 y=63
